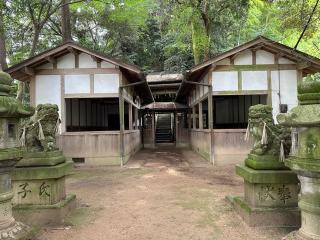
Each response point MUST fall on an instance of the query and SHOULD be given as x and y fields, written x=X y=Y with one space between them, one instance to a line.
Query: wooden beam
x=51 y=59
x=96 y=59
x=29 y=71
x=73 y=51
x=303 y=65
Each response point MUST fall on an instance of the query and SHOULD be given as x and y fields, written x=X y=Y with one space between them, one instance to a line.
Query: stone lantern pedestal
x=10 y=153
x=305 y=159
x=270 y=189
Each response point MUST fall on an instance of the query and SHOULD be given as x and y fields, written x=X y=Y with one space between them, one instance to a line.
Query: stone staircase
x=164 y=133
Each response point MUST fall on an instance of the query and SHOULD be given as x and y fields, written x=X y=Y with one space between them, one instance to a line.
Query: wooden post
x=121 y=116
x=200 y=116
x=153 y=130
x=194 y=125
x=136 y=118
x=130 y=116
x=210 y=117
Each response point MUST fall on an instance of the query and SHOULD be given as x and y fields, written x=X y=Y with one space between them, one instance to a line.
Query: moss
x=266 y=176
x=5 y=78
x=310 y=84
x=10 y=107
x=29 y=173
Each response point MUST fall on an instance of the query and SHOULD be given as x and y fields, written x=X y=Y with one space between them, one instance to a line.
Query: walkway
x=165 y=194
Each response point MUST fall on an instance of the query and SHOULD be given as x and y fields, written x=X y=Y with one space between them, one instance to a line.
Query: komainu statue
x=271 y=142
x=38 y=134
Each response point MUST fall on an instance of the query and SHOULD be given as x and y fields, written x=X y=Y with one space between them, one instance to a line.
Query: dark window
x=11 y=130
x=232 y=111
x=92 y=114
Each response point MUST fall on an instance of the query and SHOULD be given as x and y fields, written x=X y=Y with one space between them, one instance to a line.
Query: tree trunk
x=65 y=25
x=3 y=53
x=35 y=40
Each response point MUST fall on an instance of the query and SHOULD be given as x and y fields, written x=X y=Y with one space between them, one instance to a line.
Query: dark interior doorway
x=165 y=129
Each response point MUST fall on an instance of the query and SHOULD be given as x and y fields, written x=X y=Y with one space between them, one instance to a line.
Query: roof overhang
x=27 y=68
x=307 y=62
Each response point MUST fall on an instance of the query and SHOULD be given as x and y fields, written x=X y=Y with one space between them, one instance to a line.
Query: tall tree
x=3 y=52
x=66 y=25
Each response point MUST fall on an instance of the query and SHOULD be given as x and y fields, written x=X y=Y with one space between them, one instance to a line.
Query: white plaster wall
x=86 y=61
x=225 y=61
x=254 y=80
x=244 y=58
x=66 y=61
x=48 y=89
x=283 y=60
x=225 y=81
x=288 y=89
x=264 y=57
x=45 y=66
x=74 y=84
x=105 y=64
x=106 y=83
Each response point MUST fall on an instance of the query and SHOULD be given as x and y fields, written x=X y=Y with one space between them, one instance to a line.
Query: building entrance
x=165 y=128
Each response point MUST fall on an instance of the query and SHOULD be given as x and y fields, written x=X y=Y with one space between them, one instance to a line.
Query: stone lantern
x=305 y=155
x=11 y=111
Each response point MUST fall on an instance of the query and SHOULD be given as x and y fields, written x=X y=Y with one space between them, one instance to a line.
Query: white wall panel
x=264 y=57
x=77 y=84
x=288 y=89
x=105 y=64
x=254 y=80
x=106 y=83
x=66 y=61
x=244 y=58
x=48 y=89
x=225 y=81
x=86 y=61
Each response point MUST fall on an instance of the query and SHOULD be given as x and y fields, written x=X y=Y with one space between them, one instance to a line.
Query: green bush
x=310 y=84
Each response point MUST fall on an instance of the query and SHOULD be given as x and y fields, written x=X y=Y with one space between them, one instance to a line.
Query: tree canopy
x=163 y=35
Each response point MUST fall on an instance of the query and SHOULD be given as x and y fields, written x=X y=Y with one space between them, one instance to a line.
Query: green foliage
x=164 y=35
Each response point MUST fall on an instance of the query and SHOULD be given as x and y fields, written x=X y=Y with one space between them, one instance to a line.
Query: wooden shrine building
x=109 y=109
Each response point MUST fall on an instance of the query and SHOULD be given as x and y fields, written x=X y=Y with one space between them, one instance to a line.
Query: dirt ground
x=161 y=194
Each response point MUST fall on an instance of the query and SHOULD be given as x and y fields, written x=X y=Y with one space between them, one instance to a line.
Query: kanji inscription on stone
x=284 y=193
x=44 y=189
x=24 y=190
x=266 y=193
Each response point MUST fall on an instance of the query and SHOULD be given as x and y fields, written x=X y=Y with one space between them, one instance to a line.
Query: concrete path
x=164 y=194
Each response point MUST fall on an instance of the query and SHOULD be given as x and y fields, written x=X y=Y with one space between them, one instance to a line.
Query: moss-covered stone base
x=265 y=162
x=37 y=159
x=18 y=231
x=265 y=217
x=45 y=215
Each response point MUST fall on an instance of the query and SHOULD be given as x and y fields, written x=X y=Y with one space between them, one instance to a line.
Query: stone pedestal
x=9 y=228
x=309 y=176
x=270 y=198
x=39 y=189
